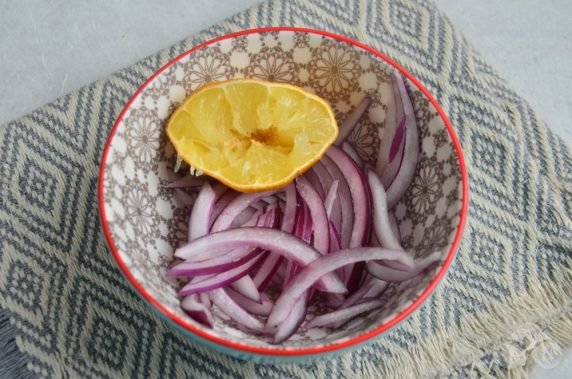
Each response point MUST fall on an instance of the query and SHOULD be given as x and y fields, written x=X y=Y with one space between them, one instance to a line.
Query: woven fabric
x=505 y=304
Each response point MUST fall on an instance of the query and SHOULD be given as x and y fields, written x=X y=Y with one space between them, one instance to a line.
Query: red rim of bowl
x=288 y=351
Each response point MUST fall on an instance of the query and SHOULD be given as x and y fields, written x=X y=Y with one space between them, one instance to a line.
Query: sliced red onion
x=218 y=264
x=227 y=305
x=361 y=211
x=331 y=198
x=391 y=274
x=198 y=311
x=234 y=208
x=223 y=201
x=395 y=153
x=377 y=287
x=246 y=287
x=289 y=208
x=320 y=223
x=346 y=223
x=398 y=139
x=303 y=228
x=381 y=223
x=392 y=142
x=246 y=216
x=205 y=299
x=356 y=296
x=312 y=177
x=387 y=273
x=373 y=242
x=206 y=283
x=201 y=214
x=290 y=273
x=261 y=308
x=325 y=265
x=335 y=242
x=352 y=153
x=356 y=276
x=327 y=181
x=289 y=326
x=359 y=195
x=281 y=272
x=406 y=172
x=274 y=240
x=342 y=316
x=270 y=199
x=267 y=270
x=394 y=225
x=351 y=121
x=224 y=260
x=225 y=256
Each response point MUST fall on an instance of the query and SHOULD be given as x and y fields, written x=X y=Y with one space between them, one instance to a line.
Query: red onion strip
x=234 y=208
x=352 y=153
x=303 y=228
x=361 y=211
x=345 y=200
x=395 y=153
x=226 y=304
x=392 y=274
x=356 y=184
x=357 y=296
x=320 y=224
x=289 y=209
x=331 y=198
x=223 y=202
x=202 y=212
x=247 y=215
x=335 y=242
x=341 y=316
x=377 y=287
x=261 y=308
x=206 y=283
x=351 y=121
x=289 y=326
x=220 y=263
x=394 y=225
x=327 y=181
x=392 y=141
x=276 y=241
x=312 y=177
x=381 y=224
x=267 y=270
x=246 y=287
x=406 y=172
x=325 y=265
x=197 y=310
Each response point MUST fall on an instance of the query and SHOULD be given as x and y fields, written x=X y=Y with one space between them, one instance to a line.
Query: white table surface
x=49 y=48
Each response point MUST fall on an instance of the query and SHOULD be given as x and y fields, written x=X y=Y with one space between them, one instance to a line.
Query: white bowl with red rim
x=143 y=222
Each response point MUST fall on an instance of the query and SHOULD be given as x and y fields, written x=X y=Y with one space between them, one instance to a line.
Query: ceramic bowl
x=144 y=222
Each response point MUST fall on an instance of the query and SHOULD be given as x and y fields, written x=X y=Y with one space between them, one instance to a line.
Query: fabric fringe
x=13 y=363
x=505 y=343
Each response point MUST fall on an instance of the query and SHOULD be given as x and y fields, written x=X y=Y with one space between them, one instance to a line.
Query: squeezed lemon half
x=250 y=134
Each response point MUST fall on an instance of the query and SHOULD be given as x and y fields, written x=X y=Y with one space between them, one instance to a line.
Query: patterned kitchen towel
x=505 y=304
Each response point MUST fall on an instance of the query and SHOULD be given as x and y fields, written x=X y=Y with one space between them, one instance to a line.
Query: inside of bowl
x=148 y=221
